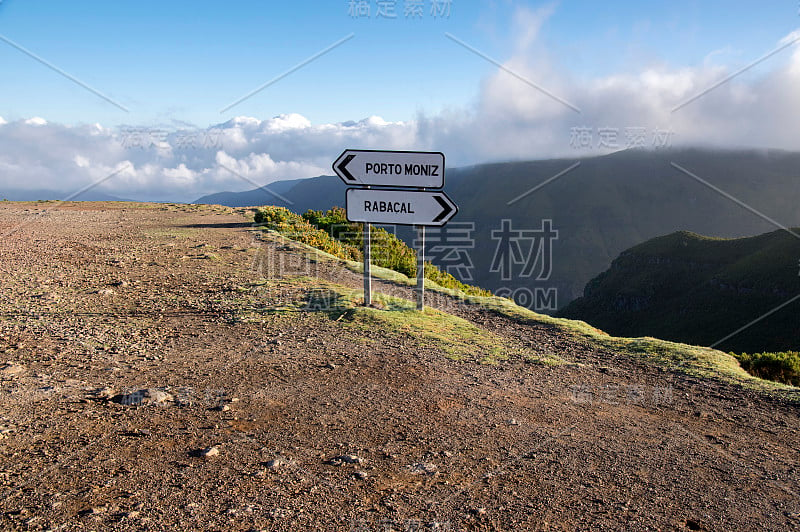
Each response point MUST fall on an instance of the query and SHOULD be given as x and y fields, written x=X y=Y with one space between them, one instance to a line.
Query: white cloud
x=240 y=154
x=81 y=161
x=515 y=120
x=288 y=122
x=510 y=119
x=36 y=121
x=790 y=38
x=181 y=174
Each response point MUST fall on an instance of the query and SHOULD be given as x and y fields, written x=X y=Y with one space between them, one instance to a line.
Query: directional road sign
x=403 y=207
x=415 y=169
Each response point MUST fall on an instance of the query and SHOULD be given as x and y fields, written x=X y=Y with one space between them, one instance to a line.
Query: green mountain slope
x=689 y=288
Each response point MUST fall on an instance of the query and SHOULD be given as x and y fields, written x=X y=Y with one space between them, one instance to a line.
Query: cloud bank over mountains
x=511 y=118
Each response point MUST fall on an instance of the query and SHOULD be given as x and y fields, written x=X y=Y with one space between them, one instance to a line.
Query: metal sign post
x=367 y=269
x=421 y=267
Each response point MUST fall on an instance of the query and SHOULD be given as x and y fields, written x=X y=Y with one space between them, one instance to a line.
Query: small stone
x=144 y=397
x=277 y=463
x=423 y=468
x=361 y=475
x=106 y=392
x=513 y=421
x=479 y=511
x=208 y=452
x=278 y=513
x=346 y=459
x=12 y=369
x=330 y=365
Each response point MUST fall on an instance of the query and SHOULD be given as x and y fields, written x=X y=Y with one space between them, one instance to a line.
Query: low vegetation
x=331 y=232
x=781 y=367
x=457 y=337
x=688 y=359
x=297 y=228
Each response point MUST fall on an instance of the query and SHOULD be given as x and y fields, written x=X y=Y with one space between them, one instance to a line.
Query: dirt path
x=101 y=300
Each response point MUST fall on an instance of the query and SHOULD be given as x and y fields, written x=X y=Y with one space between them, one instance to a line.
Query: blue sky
x=185 y=60
x=395 y=83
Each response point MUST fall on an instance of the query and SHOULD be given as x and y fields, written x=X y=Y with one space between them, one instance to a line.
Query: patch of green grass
x=689 y=359
x=457 y=337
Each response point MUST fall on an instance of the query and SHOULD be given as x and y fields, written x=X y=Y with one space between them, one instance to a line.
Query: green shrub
x=387 y=250
x=335 y=223
x=779 y=367
x=331 y=232
x=271 y=216
x=287 y=223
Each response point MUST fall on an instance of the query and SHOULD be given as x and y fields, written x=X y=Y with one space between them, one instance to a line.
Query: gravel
x=429 y=439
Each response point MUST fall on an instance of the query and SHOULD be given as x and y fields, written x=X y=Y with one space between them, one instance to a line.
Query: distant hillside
x=271 y=194
x=600 y=208
x=318 y=193
x=693 y=289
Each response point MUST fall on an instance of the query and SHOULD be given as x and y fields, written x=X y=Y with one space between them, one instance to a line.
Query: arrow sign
x=414 y=169
x=402 y=207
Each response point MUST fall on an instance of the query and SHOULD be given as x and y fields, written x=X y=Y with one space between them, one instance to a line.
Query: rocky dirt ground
x=150 y=380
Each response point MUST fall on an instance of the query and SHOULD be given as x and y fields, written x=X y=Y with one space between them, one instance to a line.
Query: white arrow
x=401 y=207
x=413 y=169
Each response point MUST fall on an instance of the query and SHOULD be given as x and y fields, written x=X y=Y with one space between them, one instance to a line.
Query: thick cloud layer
x=512 y=118
x=164 y=163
